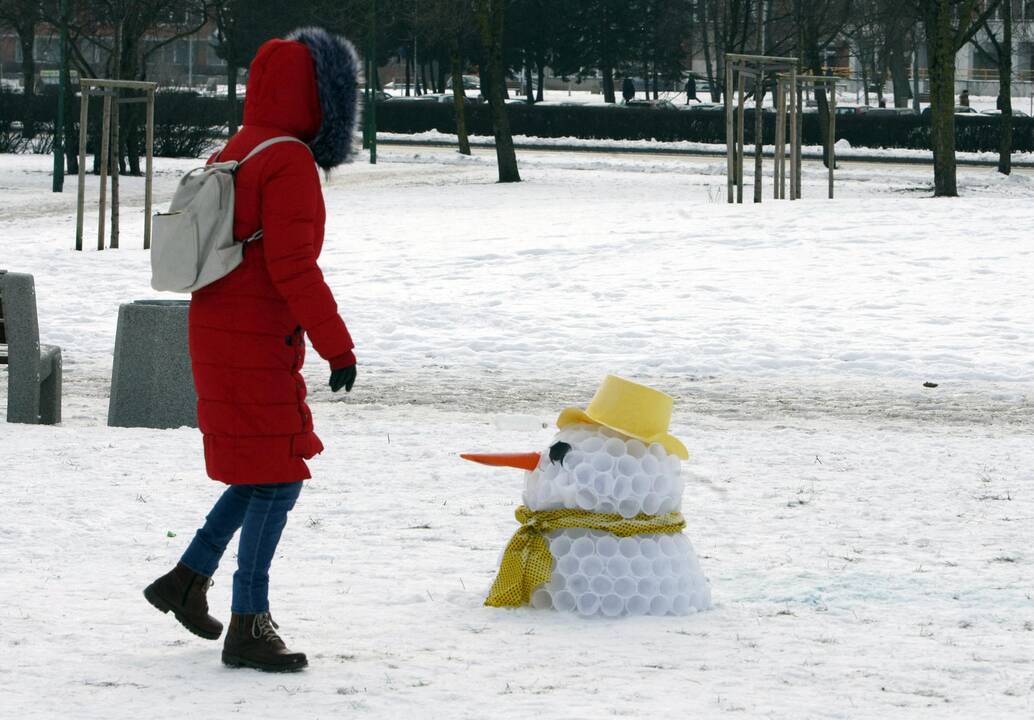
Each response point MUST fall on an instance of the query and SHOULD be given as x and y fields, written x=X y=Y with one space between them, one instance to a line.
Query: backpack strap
x=258 y=149
x=268 y=143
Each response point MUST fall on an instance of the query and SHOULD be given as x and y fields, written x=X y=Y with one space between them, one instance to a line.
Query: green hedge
x=185 y=122
x=974 y=134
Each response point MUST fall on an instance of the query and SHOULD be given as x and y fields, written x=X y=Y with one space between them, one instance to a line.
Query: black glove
x=343 y=378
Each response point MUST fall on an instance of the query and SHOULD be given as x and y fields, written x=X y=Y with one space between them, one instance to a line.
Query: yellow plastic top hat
x=631 y=409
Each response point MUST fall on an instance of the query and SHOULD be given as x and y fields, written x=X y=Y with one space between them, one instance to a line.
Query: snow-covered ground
x=867 y=538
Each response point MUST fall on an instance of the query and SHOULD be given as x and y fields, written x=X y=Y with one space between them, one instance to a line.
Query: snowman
x=601 y=527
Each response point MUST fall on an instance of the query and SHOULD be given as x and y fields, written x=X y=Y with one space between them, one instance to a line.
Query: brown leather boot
x=185 y=593
x=252 y=641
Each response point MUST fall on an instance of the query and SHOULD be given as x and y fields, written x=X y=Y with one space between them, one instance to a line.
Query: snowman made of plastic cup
x=601 y=529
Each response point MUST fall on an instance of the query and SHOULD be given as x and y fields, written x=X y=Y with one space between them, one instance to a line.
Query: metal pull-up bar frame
x=109 y=90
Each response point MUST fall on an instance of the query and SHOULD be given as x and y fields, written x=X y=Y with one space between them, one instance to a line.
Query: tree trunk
x=541 y=64
x=608 y=84
x=71 y=125
x=408 y=63
x=898 y=66
x=231 y=94
x=27 y=37
x=940 y=48
x=1005 y=90
x=459 y=101
x=491 y=16
x=529 y=88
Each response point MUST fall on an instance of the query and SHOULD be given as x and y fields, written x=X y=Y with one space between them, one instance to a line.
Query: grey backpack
x=192 y=244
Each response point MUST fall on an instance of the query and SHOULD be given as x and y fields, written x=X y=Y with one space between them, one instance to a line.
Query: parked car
x=655 y=104
x=470 y=82
x=853 y=109
x=703 y=107
x=960 y=110
x=889 y=112
x=1015 y=112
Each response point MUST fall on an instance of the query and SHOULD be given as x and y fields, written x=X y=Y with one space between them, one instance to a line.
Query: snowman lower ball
x=612 y=479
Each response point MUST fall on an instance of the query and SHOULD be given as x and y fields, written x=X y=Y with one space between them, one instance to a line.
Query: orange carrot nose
x=521 y=461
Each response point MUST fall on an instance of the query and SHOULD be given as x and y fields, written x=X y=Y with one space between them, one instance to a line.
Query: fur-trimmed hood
x=337 y=84
x=307 y=86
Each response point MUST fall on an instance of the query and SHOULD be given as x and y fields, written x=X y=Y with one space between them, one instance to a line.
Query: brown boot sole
x=235 y=661
x=153 y=598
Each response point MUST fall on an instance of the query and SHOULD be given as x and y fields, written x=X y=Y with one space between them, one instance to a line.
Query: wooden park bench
x=33 y=370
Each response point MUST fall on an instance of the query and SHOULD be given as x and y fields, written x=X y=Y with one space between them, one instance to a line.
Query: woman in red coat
x=247 y=338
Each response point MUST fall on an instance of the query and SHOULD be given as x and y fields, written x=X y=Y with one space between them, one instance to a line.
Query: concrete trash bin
x=151 y=381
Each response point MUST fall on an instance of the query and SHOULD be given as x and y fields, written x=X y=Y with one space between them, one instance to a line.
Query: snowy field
x=868 y=539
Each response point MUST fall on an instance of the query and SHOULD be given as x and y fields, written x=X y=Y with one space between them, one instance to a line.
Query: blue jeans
x=260 y=513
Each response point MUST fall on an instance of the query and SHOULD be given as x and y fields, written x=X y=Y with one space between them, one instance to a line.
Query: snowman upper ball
x=598 y=469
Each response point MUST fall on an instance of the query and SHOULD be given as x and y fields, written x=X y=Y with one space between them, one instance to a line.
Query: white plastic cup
x=640 y=567
x=607 y=507
x=559 y=546
x=649 y=548
x=563 y=601
x=577 y=584
x=618 y=566
x=585 y=498
x=661 y=567
x=592 y=566
x=648 y=587
x=661 y=484
x=680 y=605
x=667 y=545
x=667 y=506
x=682 y=543
x=660 y=605
x=592 y=444
x=650 y=465
x=575 y=533
x=607 y=546
x=572 y=459
x=627 y=466
x=583 y=547
x=636 y=448
x=674 y=465
x=684 y=585
x=622 y=487
x=601 y=585
x=612 y=605
x=588 y=603
x=629 y=507
x=568 y=565
x=651 y=503
x=641 y=485
x=628 y=547
x=541 y=599
x=584 y=475
x=602 y=463
x=669 y=586
x=603 y=483
x=638 y=605
x=657 y=451
x=564 y=479
x=625 y=587
x=615 y=447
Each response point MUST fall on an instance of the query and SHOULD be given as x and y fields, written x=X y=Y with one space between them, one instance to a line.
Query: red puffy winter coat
x=247 y=330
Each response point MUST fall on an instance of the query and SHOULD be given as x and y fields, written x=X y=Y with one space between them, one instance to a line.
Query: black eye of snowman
x=558 y=451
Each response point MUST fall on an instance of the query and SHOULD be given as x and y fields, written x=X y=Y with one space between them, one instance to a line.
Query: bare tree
x=997 y=49
x=949 y=25
x=23 y=16
x=491 y=16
